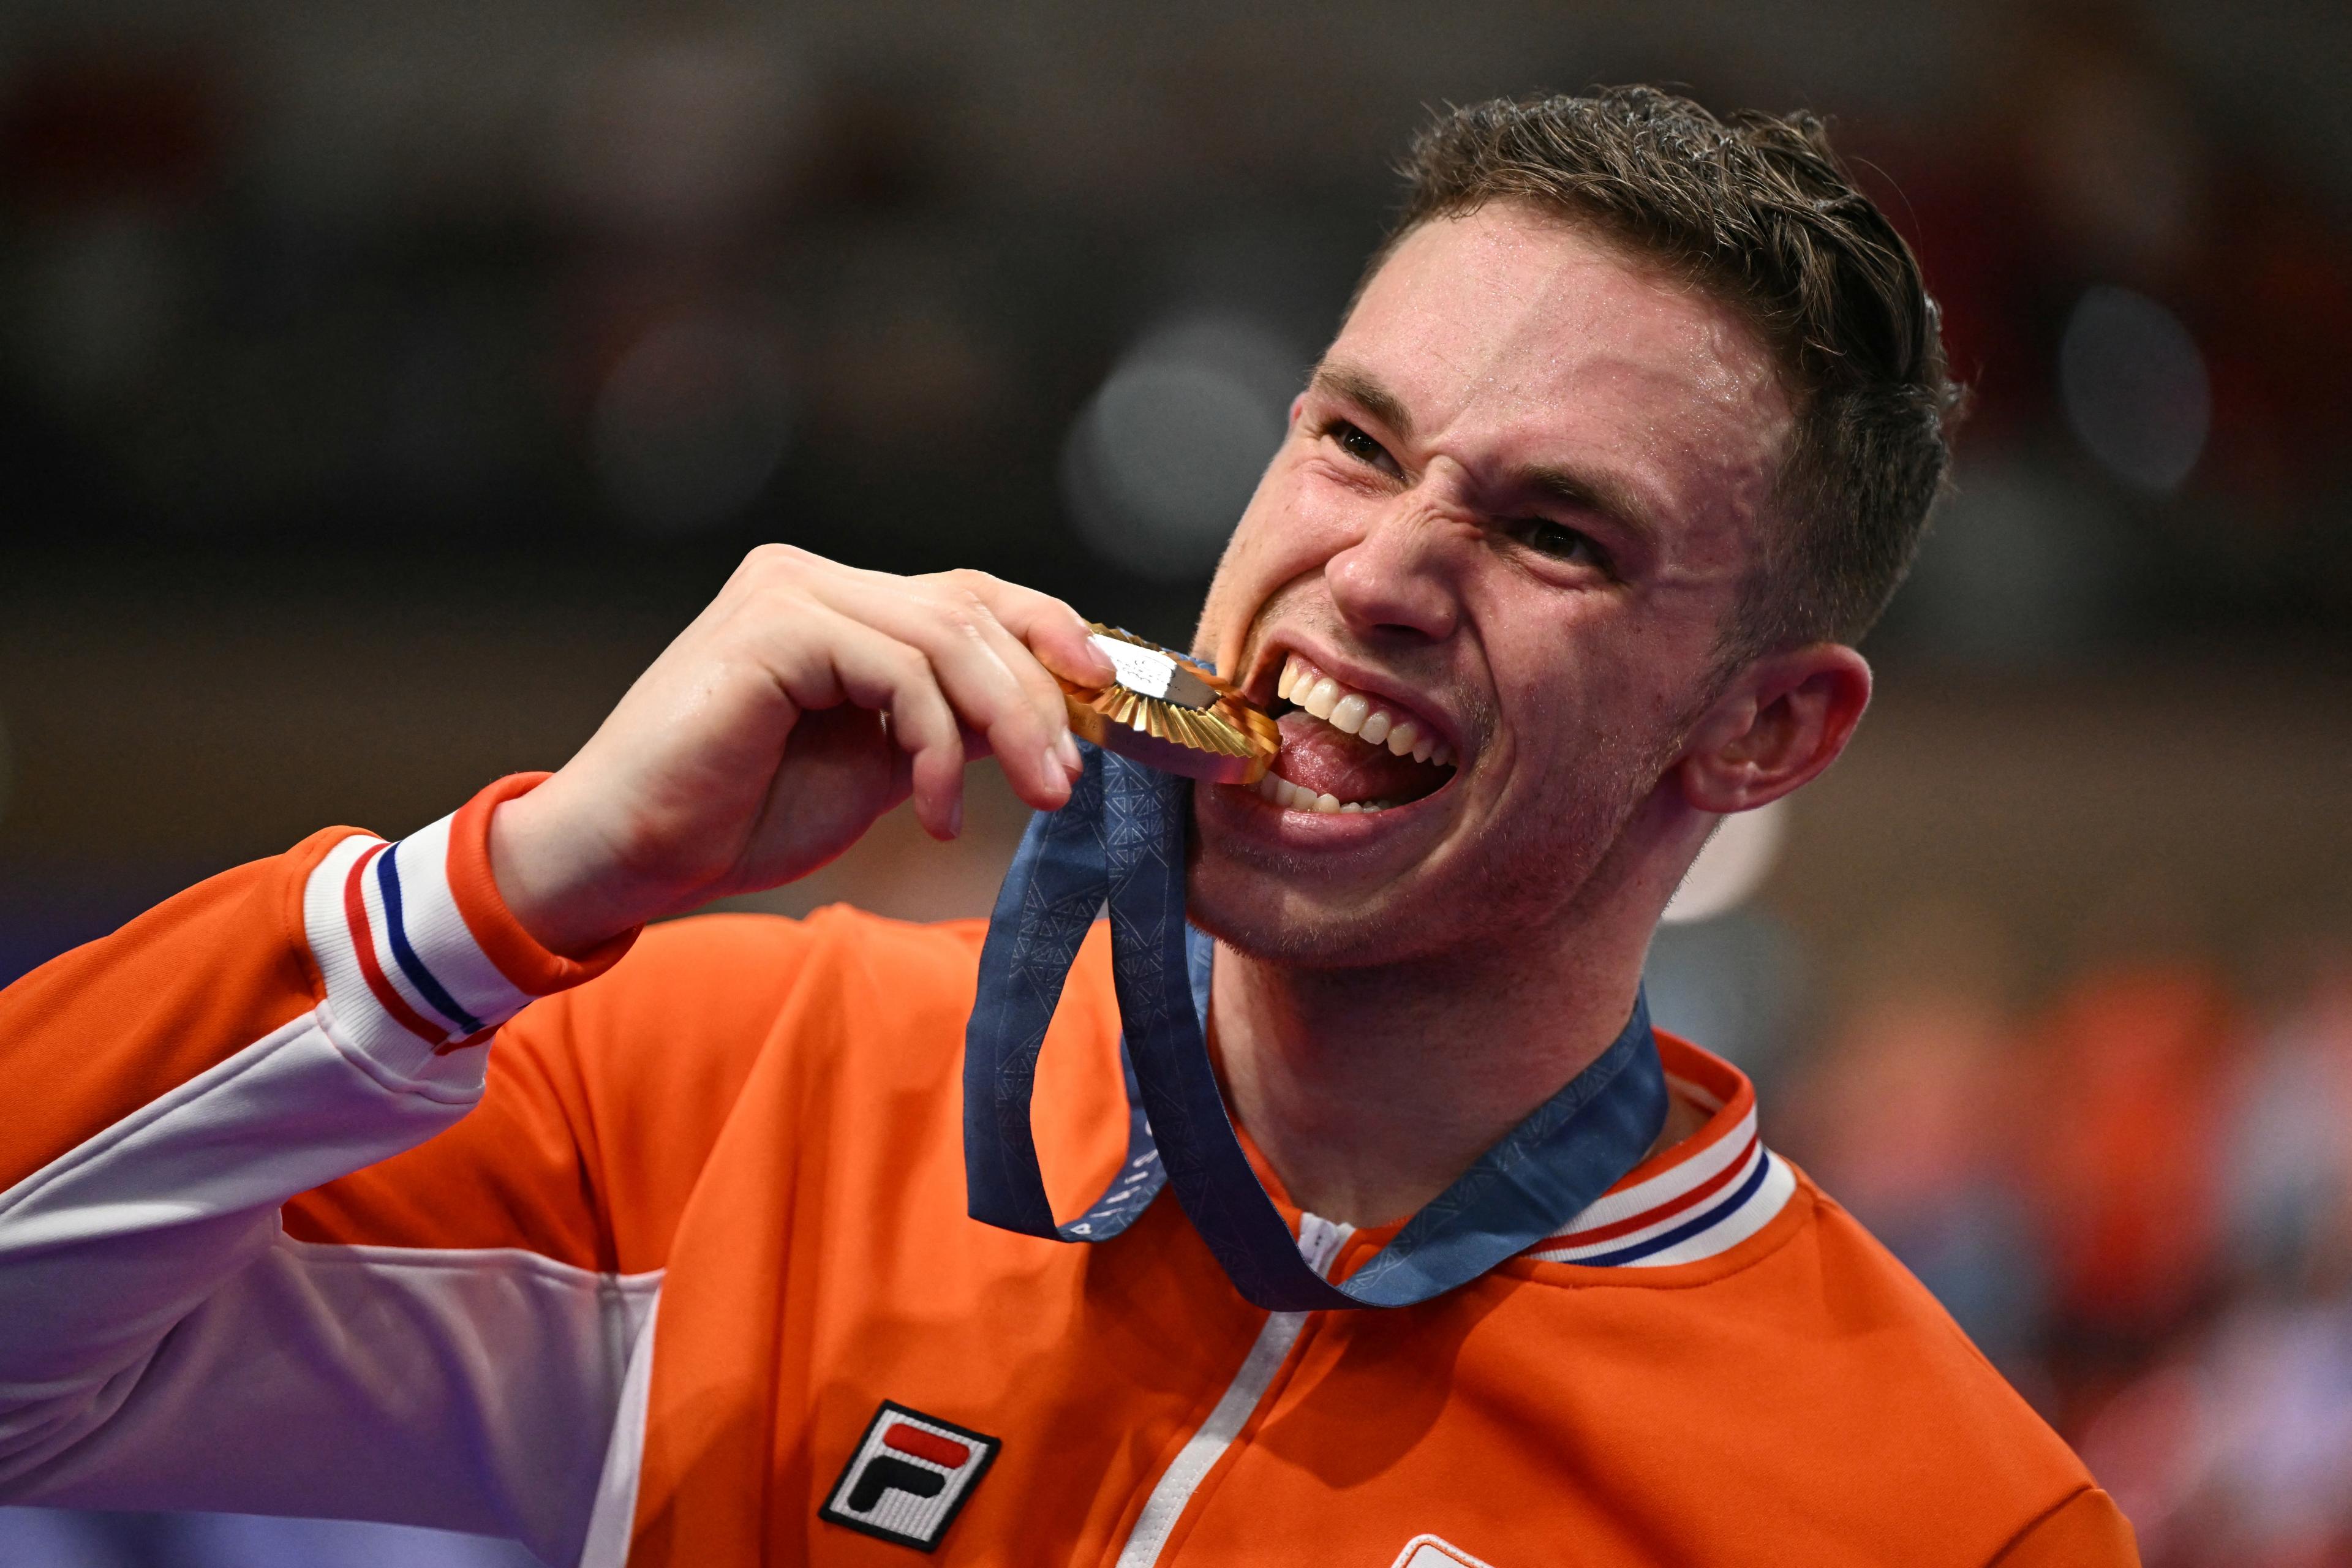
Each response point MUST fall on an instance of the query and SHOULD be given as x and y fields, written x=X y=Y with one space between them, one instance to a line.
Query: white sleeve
x=163 y=1344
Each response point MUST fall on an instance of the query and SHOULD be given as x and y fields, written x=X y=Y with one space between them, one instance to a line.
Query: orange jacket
x=678 y=1272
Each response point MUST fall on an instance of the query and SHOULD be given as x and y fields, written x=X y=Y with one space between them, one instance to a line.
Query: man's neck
x=1369 y=1091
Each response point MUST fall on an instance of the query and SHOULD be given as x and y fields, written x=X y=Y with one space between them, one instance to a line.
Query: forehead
x=1511 y=335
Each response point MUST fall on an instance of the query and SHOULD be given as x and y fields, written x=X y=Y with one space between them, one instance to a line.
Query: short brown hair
x=1758 y=211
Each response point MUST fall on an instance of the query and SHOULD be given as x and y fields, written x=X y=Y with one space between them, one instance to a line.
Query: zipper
x=1319 y=1241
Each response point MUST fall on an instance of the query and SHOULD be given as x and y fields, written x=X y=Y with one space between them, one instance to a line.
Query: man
x=1625 y=439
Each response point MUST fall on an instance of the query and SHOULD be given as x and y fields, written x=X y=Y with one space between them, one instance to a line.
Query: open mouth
x=1347 y=751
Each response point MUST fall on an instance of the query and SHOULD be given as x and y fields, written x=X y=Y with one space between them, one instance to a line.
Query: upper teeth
x=1354 y=713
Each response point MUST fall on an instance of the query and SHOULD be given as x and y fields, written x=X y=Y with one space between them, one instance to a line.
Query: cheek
x=1288 y=531
x=1235 y=594
x=1586 y=689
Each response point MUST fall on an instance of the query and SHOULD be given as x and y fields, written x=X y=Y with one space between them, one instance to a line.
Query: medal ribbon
x=1120 y=839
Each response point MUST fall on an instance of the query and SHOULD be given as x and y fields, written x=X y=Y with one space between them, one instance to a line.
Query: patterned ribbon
x=1120 y=839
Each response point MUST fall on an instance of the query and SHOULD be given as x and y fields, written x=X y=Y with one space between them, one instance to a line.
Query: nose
x=1396 y=581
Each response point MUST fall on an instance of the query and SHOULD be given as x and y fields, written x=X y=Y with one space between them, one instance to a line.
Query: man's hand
x=805 y=701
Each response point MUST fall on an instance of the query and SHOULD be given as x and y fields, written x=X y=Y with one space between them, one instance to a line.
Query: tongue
x=1318 y=757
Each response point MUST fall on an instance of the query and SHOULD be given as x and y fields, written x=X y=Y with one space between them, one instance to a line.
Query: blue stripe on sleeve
x=388 y=883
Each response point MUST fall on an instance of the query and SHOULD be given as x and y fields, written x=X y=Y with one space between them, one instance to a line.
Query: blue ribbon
x=1121 y=840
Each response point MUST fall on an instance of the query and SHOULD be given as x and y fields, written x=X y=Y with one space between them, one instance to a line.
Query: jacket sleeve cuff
x=420 y=956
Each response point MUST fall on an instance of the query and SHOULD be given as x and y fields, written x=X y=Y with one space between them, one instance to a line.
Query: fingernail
x=955 y=818
x=1067 y=749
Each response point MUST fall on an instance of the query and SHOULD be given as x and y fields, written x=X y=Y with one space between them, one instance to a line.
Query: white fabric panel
x=106 y=1248
x=615 y=1516
x=469 y=1391
x=163 y=1345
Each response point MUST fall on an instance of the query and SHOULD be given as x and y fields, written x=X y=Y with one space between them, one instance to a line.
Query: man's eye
x=1358 y=446
x=1558 y=541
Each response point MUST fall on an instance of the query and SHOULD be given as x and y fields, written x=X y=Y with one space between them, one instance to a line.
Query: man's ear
x=1781 y=722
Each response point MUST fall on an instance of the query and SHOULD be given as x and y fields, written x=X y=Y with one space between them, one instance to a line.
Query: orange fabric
x=2086 y=1527
x=772 y=1111
x=96 y=1033
x=1799 y=1398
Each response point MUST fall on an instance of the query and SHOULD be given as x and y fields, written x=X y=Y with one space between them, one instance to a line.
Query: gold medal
x=1168 y=712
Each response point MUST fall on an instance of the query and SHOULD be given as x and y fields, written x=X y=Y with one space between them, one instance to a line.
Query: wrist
x=417 y=951
x=546 y=882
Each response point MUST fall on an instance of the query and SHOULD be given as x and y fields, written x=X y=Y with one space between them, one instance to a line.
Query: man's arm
x=161 y=1342
x=408 y=1352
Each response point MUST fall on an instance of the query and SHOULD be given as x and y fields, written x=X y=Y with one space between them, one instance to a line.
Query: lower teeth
x=1296 y=797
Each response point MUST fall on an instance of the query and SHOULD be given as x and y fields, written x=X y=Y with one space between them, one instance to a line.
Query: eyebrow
x=1587 y=490
x=1583 y=490
x=1364 y=390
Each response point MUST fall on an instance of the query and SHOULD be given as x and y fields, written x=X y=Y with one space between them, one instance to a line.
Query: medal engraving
x=1168 y=712
x=1152 y=673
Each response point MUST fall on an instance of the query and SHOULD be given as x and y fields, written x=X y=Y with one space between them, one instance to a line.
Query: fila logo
x=908 y=1476
x=1429 y=1552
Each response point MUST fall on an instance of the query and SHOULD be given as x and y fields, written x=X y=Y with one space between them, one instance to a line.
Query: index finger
x=1050 y=629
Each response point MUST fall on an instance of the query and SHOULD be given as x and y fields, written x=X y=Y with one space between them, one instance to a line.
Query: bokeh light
x=1163 y=458
x=2135 y=388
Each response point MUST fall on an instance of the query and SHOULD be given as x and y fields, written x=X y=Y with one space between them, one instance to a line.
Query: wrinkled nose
x=1398 y=581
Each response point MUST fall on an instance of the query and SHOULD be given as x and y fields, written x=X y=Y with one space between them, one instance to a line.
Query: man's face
x=1513 y=508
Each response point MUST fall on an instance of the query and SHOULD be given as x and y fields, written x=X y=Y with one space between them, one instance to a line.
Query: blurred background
x=381 y=385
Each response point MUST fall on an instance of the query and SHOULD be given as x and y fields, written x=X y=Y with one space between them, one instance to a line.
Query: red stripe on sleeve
x=363 y=943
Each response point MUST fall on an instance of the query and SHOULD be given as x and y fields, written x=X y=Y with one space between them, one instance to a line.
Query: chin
x=1295 y=905
x=1261 y=912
